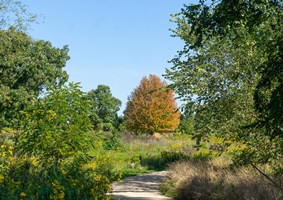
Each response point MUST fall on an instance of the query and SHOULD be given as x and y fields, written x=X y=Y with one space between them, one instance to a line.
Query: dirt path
x=142 y=187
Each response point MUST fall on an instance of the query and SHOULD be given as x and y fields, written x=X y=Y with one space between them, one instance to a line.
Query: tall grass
x=144 y=153
x=215 y=180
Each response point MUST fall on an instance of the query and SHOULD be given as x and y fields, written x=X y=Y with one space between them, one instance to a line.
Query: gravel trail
x=142 y=187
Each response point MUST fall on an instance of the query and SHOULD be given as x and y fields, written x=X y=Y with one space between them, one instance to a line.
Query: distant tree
x=152 y=107
x=186 y=124
x=104 y=108
x=27 y=67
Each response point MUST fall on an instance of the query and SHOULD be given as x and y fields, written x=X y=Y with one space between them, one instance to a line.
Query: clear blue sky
x=114 y=43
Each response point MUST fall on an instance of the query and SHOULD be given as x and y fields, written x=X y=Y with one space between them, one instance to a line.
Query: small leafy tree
x=53 y=160
x=152 y=107
x=57 y=125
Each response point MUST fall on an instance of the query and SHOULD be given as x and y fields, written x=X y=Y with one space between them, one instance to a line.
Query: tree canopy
x=27 y=68
x=230 y=71
x=152 y=107
x=262 y=22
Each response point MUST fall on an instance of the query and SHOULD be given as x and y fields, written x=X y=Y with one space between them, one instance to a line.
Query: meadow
x=131 y=155
x=194 y=173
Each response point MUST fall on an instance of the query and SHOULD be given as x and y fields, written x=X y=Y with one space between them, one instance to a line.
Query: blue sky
x=114 y=43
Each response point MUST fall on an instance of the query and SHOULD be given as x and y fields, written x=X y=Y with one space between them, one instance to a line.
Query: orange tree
x=152 y=107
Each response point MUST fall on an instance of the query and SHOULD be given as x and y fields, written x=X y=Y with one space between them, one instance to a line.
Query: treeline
x=49 y=128
x=46 y=125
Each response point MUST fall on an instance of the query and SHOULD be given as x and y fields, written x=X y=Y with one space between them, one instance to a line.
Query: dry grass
x=214 y=180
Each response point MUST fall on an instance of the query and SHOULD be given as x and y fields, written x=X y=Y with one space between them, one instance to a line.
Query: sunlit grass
x=142 y=154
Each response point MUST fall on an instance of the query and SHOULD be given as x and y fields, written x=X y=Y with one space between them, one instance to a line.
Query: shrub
x=27 y=178
x=52 y=155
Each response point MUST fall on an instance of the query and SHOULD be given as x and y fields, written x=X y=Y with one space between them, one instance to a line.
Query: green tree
x=104 y=108
x=235 y=20
x=215 y=80
x=54 y=147
x=27 y=68
x=152 y=107
x=231 y=70
x=56 y=126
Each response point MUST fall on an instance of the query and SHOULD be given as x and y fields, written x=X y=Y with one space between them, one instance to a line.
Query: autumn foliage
x=152 y=107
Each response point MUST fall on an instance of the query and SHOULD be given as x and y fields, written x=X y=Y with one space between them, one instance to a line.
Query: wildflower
x=23 y=194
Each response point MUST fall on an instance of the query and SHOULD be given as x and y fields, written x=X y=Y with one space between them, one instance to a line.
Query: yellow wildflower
x=23 y=194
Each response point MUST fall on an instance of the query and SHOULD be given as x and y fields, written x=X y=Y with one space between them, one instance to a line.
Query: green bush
x=28 y=179
x=52 y=159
